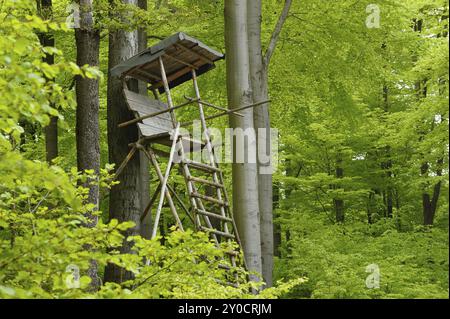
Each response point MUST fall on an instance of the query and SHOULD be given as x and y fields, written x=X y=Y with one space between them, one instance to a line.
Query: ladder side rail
x=151 y=156
x=212 y=159
x=197 y=202
x=208 y=144
x=170 y=104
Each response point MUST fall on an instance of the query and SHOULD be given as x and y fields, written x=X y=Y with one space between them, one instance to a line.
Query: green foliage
x=334 y=259
x=343 y=96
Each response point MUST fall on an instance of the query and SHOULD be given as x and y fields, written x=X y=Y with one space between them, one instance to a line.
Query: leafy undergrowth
x=411 y=264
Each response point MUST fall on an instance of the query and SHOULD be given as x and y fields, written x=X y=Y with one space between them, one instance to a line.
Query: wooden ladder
x=211 y=211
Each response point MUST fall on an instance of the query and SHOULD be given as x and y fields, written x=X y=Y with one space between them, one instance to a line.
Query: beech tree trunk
x=245 y=175
x=259 y=68
x=87 y=95
x=45 y=10
x=261 y=120
x=87 y=39
x=125 y=199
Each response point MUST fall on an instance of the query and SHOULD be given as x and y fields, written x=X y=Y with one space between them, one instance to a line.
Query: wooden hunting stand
x=173 y=61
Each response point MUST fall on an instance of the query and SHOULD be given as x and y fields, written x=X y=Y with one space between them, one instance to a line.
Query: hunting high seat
x=164 y=66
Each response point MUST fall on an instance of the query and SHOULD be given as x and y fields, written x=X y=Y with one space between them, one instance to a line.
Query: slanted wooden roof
x=180 y=53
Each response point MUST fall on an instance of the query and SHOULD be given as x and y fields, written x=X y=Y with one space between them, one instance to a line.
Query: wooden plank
x=144 y=100
x=141 y=116
x=148 y=130
x=195 y=53
x=158 y=123
x=146 y=108
x=180 y=61
x=149 y=114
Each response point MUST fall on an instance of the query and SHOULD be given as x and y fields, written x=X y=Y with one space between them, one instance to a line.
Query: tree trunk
x=144 y=175
x=429 y=202
x=125 y=198
x=245 y=175
x=87 y=39
x=261 y=121
x=45 y=10
x=259 y=66
x=276 y=226
x=87 y=124
x=51 y=139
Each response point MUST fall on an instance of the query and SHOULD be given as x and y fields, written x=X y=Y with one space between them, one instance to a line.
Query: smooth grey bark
x=87 y=39
x=125 y=200
x=245 y=175
x=45 y=10
x=259 y=68
x=144 y=175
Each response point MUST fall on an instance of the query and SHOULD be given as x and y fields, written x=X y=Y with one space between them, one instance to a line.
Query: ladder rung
x=204 y=181
x=227 y=283
x=213 y=215
x=201 y=166
x=209 y=199
x=232 y=253
x=226 y=267
x=216 y=232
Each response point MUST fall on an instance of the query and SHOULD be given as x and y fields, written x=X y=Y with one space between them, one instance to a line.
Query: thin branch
x=156 y=273
x=277 y=31
x=40 y=202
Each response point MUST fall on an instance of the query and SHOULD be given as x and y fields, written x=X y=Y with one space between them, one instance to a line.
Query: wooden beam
x=164 y=185
x=180 y=61
x=228 y=112
x=173 y=76
x=211 y=105
x=148 y=74
x=198 y=55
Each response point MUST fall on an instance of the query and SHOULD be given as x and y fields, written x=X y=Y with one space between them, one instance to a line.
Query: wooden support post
x=232 y=111
x=167 y=89
x=186 y=210
x=209 y=146
x=150 y=203
x=149 y=153
x=220 y=108
x=164 y=182
x=125 y=161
